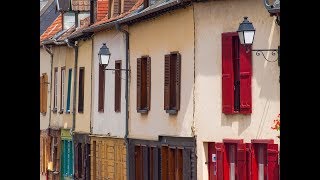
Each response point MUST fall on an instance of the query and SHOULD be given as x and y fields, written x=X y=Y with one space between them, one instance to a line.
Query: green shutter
x=69 y=90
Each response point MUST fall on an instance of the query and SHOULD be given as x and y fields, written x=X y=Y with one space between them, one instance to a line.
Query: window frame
x=62 y=87
x=117 y=86
x=55 y=90
x=81 y=90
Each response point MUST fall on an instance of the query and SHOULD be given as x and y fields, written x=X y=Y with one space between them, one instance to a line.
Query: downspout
x=75 y=86
x=126 y=96
x=51 y=65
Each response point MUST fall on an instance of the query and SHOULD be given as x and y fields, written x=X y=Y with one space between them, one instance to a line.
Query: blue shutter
x=69 y=90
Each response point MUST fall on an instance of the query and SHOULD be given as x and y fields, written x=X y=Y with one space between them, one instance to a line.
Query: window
x=114 y=8
x=171 y=163
x=236 y=76
x=69 y=90
x=67 y=161
x=237 y=160
x=43 y=92
x=55 y=93
x=117 y=82
x=81 y=16
x=68 y=20
x=172 y=76
x=63 y=72
x=143 y=84
x=81 y=90
x=56 y=154
x=101 y=88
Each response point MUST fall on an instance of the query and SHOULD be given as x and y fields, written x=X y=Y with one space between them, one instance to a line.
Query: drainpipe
x=51 y=64
x=126 y=95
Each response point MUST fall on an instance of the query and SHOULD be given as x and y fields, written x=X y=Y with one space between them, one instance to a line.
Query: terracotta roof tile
x=102 y=9
x=54 y=28
x=106 y=20
x=81 y=5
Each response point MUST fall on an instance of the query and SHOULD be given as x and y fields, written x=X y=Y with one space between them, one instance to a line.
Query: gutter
x=117 y=25
x=51 y=65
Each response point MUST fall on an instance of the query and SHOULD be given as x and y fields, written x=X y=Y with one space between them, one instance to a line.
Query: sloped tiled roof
x=47 y=15
x=102 y=9
x=54 y=28
x=106 y=20
x=81 y=5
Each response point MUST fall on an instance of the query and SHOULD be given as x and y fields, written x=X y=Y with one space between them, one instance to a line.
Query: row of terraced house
x=180 y=97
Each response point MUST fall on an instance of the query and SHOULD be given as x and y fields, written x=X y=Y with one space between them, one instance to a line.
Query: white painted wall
x=212 y=19
x=45 y=67
x=157 y=37
x=109 y=121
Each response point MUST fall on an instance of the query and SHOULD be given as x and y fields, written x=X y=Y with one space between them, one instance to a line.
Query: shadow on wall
x=267 y=73
x=243 y=121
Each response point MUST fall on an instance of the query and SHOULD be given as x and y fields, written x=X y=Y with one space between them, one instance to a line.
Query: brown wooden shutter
x=245 y=80
x=101 y=88
x=139 y=84
x=148 y=83
x=81 y=90
x=241 y=162
x=41 y=154
x=41 y=94
x=164 y=162
x=45 y=92
x=178 y=81
x=117 y=93
x=227 y=74
x=171 y=163
x=145 y=160
x=116 y=8
x=167 y=82
x=179 y=164
x=138 y=162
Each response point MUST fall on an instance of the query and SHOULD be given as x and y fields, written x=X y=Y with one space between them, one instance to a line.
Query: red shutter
x=220 y=160
x=241 y=162
x=227 y=74
x=245 y=81
x=178 y=81
x=148 y=82
x=138 y=84
x=248 y=162
x=273 y=162
x=254 y=162
x=166 y=82
x=211 y=163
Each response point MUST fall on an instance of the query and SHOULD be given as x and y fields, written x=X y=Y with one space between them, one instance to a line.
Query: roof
x=100 y=25
x=54 y=28
x=155 y=9
x=80 y=5
x=47 y=15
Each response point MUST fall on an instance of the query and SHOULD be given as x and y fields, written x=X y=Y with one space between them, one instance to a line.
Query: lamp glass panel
x=248 y=37
x=240 y=33
x=104 y=59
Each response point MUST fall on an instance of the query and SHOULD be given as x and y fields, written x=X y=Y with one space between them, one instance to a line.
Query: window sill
x=43 y=113
x=142 y=111
x=67 y=112
x=54 y=110
x=61 y=111
x=172 y=112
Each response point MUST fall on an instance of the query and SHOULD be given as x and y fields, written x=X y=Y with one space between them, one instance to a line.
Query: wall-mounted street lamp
x=246 y=34
x=104 y=57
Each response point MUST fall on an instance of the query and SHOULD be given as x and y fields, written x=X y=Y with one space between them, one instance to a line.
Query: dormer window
x=68 y=20
x=82 y=16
